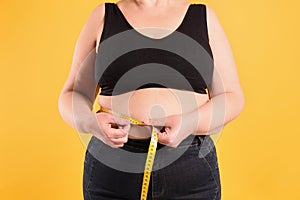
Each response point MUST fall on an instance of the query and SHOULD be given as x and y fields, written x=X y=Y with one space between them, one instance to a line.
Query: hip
x=189 y=171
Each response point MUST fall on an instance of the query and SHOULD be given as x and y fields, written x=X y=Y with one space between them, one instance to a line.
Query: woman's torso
x=152 y=102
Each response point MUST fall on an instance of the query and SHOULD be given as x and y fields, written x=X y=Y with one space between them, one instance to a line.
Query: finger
x=167 y=137
x=119 y=141
x=126 y=128
x=113 y=144
x=163 y=138
x=107 y=141
x=116 y=133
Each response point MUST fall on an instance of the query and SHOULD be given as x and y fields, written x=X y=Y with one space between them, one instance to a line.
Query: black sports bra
x=127 y=60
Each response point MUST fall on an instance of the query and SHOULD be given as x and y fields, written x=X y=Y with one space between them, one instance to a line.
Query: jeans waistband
x=142 y=145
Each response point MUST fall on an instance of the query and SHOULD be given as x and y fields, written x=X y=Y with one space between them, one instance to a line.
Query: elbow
x=236 y=104
x=61 y=104
x=234 y=107
x=239 y=102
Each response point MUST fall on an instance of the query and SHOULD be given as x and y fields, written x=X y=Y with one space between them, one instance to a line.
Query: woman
x=182 y=112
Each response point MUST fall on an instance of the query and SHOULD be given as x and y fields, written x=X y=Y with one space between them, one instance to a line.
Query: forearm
x=76 y=110
x=211 y=117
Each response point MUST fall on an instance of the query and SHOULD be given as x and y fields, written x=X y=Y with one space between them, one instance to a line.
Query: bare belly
x=148 y=103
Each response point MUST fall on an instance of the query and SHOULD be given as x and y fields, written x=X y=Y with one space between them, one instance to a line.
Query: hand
x=112 y=130
x=176 y=128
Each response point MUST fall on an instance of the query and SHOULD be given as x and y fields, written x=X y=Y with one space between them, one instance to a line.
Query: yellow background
x=41 y=157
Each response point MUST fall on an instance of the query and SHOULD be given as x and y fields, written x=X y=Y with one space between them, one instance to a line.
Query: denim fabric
x=193 y=175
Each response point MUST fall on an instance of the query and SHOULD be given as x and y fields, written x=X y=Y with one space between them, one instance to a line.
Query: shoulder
x=207 y=9
x=95 y=20
x=211 y=19
x=98 y=12
x=211 y=15
x=213 y=23
x=96 y=16
x=209 y=12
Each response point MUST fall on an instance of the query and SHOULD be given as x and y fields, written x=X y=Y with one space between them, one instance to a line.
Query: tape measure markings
x=151 y=151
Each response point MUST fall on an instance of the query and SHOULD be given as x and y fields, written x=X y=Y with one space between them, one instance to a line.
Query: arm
x=79 y=92
x=80 y=89
x=226 y=96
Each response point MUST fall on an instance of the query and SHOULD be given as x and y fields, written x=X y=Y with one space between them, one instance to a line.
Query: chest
x=128 y=59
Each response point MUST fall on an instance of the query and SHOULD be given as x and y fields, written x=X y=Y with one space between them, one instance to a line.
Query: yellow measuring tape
x=151 y=151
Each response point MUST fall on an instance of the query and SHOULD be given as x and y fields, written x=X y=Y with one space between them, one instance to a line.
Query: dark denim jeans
x=187 y=172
